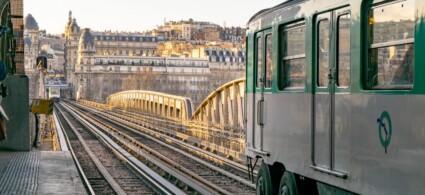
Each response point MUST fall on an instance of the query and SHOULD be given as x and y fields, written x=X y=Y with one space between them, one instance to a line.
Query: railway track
x=168 y=129
x=210 y=177
x=105 y=168
x=209 y=138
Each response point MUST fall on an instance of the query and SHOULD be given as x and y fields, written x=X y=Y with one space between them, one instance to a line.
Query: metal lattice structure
x=166 y=105
x=224 y=107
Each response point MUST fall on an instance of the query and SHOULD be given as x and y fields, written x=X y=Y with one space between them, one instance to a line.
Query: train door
x=262 y=82
x=332 y=78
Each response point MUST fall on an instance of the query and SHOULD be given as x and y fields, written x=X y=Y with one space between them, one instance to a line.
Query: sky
x=140 y=15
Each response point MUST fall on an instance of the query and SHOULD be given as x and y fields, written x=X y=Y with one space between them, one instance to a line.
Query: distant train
x=54 y=93
x=336 y=97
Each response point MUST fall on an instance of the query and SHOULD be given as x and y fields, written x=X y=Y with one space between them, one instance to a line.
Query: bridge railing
x=153 y=102
x=95 y=104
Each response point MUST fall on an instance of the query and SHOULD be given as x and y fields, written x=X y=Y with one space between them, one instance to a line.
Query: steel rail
x=181 y=135
x=85 y=180
x=187 y=174
x=160 y=185
x=189 y=127
x=153 y=138
x=114 y=184
x=165 y=130
x=209 y=165
x=216 y=158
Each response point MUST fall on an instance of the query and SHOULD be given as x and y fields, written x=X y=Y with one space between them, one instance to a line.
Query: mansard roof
x=30 y=23
x=87 y=39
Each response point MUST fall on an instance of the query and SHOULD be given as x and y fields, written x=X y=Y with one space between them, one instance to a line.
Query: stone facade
x=99 y=64
x=188 y=30
x=37 y=43
x=31 y=50
x=72 y=38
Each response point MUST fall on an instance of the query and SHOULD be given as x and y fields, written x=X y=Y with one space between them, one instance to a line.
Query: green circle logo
x=384 y=123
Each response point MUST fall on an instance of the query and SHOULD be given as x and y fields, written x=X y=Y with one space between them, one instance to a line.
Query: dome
x=30 y=23
x=86 y=39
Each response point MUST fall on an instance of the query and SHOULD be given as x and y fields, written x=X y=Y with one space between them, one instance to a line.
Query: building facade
x=188 y=30
x=99 y=64
x=31 y=43
x=72 y=37
x=125 y=44
x=38 y=43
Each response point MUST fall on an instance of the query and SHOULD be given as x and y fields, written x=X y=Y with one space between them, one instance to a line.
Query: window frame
x=258 y=36
x=317 y=45
x=261 y=35
x=338 y=16
x=265 y=35
x=373 y=4
x=281 y=70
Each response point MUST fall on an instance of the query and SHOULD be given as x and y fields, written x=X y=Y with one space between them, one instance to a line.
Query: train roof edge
x=277 y=7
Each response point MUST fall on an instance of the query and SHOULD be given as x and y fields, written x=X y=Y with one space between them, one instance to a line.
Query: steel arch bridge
x=217 y=125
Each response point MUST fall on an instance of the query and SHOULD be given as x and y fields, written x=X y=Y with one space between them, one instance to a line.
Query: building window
x=390 y=46
x=292 y=71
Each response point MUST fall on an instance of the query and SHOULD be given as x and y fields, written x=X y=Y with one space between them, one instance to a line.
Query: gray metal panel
x=402 y=168
x=287 y=136
x=257 y=128
x=342 y=134
x=322 y=127
x=287 y=129
x=16 y=106
x=250 y=124
x=254 y=138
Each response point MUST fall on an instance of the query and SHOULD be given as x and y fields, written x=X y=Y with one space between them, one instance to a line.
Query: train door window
x=269 y=61
x=323 y=53
x=343 y=66
x=390 y=45
x=259 y=58
x=292 y=71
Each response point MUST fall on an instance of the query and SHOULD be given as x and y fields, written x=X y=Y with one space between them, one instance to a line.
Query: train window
x=390 y=53
x=269 y=61
x=259 y=57
x=323 y=53
x=292 y=72
x=343 y=51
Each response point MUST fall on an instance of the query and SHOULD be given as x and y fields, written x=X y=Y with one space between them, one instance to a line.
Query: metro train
x=54 y=93
x=335 y=97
